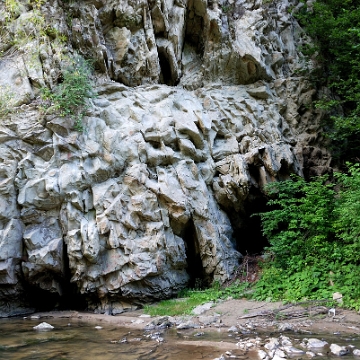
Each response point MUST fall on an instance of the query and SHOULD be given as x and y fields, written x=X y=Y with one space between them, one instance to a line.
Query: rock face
x=200 y=103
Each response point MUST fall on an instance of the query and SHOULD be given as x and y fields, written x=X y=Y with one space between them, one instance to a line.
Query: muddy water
x=75 y=339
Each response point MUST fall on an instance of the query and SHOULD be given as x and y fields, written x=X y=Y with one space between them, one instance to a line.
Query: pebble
x=98 y=327
x=356 y=352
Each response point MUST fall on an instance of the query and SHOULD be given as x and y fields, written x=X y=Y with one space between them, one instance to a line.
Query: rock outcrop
x=200 y=104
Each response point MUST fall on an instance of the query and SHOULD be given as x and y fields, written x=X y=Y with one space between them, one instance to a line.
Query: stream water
x=80 y=340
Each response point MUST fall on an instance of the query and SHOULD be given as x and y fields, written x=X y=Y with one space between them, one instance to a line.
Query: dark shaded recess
x=254 y=173
x=285 y=170
x=154 y=144
x=71 y=298
x=247 y=226
x=43 y=300
x=166 y=74
x=194 y=32
x=195 y=268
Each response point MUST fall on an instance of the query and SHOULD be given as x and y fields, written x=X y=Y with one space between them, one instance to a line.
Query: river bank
x=241 y=321
x=225 y=314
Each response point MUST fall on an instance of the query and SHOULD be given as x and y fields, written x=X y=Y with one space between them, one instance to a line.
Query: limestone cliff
x=200 y=103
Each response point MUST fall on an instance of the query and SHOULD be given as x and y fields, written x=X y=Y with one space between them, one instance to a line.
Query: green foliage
x=6 y=100
x=189 y=299
x=347 y=212
x=314 y=232
x=335 y=27
x=70 y=97
x=26 y=31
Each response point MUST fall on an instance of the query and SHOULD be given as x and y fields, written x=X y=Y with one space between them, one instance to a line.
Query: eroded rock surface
x=199 y=105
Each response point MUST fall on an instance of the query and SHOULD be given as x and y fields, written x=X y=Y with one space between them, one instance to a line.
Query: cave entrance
x=247 y=225
x=166 y=74
x=68 y=297
x=195 y=268
x=194 y=30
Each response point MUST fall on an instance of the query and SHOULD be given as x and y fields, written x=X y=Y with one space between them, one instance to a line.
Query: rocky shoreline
x=265 y=336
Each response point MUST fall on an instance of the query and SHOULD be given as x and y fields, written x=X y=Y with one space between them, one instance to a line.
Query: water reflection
x=77 y=340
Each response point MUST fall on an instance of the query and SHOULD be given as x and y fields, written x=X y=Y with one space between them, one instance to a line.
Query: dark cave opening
x=194 y=31
x=166 y=73
x=247 y=225
x=71 y=298
x=195 y=268
x=45 y=300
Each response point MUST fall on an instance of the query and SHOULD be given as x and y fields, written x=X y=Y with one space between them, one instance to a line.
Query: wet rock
x=233 y=329
x=158 y=323
x=286 y=327
x=187 y=325
x=285 y=341
x=291 y=350
x=356 y=352
x=262 y=355
x=208 y=320
x=279 y=353
x=272 y=344
x=43 y=326
x=338 y=350
x=315 y=343
x=199 y=334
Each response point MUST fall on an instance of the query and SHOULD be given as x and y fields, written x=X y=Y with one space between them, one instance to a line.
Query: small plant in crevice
x=70 y=97
x=225 y=8
x=6 y=100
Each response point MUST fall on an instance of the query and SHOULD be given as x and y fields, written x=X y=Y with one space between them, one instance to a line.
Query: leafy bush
x=70 y=97
x=314 y=232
